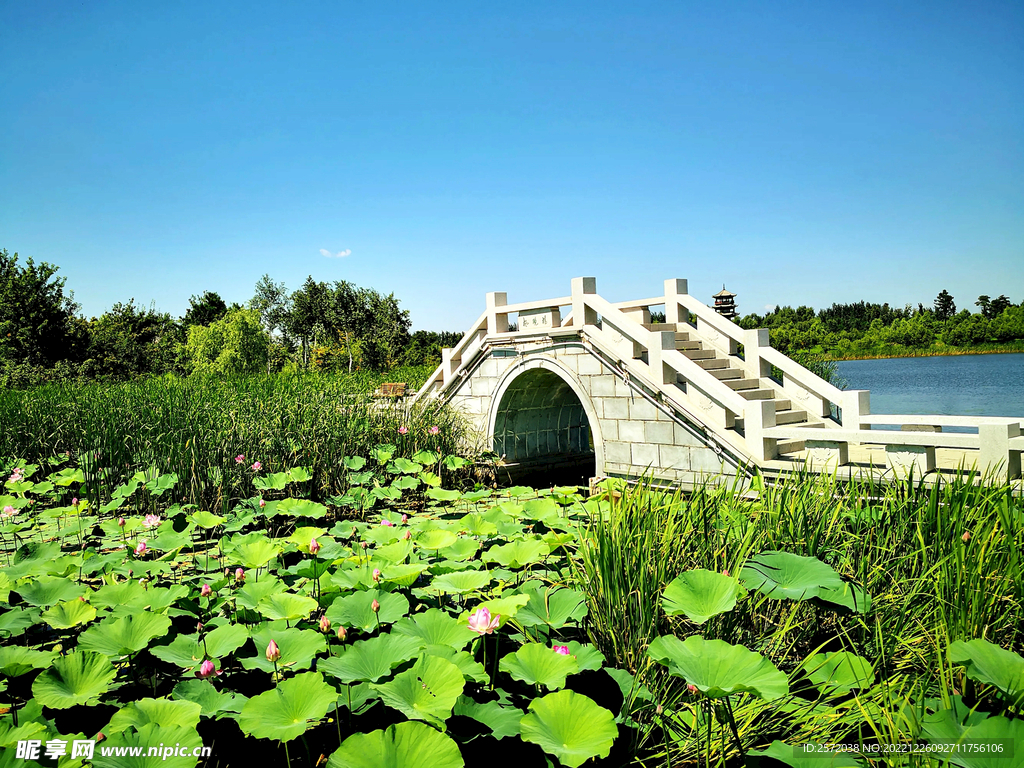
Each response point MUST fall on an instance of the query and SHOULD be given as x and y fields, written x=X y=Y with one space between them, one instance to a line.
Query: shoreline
x=936 y=353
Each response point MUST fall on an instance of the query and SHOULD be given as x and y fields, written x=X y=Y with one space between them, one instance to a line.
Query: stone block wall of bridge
x=632 y=433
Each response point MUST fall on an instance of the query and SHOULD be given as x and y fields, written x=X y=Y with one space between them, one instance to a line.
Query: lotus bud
x=387 y=523
x=376 y=574
x=314 y=546
x=140 y=548
x=325 y=624
x=405 y=518
x=83 y=599
x=263 y=503
x=273 y=652
x=658 y=710
x=561 y=649
x=725 y=572
x=199 y=626
x=100 y=736
x=408 y=535
x=227 y=572
x=966 y=537
x=364 y=544
x=205 y=591
x=121 y=521
x=239 y=574
x=374 y=606
x=691 y=688
x=206 y=669
x=342 y=634
x=74 y=501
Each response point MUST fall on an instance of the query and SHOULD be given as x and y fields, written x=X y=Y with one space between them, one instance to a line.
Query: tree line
x=866 y=329
x=336 y=326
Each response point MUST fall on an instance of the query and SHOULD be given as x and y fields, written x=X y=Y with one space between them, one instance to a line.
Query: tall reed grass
x=195 y=427
x=942 y=563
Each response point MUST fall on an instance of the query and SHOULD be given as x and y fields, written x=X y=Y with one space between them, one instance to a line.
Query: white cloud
x=338 y=255
x=769 y=307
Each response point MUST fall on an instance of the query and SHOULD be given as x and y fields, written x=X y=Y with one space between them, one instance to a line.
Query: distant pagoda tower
x=725 y=303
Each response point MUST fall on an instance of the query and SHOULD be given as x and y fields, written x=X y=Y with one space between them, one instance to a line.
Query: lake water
x=966 y=385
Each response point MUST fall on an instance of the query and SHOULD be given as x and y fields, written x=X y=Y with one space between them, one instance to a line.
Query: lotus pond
x=405 y=623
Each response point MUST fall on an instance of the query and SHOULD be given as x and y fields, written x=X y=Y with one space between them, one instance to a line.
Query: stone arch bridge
x=590 y=388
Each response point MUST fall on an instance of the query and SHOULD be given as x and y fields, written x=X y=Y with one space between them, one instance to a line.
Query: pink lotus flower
x=263 y=503
x=121 y=521
x=205 y=591
x=342 y=634
x=151 y=521
x=9 y=511
x=206 y=669
x=481 y=621
x=140 y=548
x=74 y=501
x=374 y=606
x=325 y=624
x=376 y=574
x=256 y=466
x=434 y=430
x=240 y=459
x=562 y=650
x=314 y=546
x=405 y=518
x=403 y=430
x=691 y=688
x=273 y=652
x=239 y=574
x=386 y=523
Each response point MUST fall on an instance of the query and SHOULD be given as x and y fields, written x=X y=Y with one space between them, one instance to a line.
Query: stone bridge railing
x=622 y=334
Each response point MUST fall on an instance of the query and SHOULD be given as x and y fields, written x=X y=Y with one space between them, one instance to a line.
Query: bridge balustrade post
x=673 y=290
x=661 y=372
x=995 y=448
x=448 y=365
x=497 y=322
x=856 y=403
x=581 y=313
x=757 y=367
x=758 y=416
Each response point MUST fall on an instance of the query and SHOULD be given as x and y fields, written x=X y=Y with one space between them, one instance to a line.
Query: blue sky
x=800 y=152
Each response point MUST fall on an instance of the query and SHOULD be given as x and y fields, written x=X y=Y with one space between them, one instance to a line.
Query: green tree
x=272 y=303
x=37 y=318
x=237 y=343
x=131 y=341
x=205 y=309
x=945 y=307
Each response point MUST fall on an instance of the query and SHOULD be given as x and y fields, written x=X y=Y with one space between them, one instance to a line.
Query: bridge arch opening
x=542 y=428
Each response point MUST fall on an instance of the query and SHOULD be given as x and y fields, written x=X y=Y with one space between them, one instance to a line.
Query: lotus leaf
x=588 y=658
x=719 y=669
x=78 y=678
x=188 y=651
x=250 y=595
x=839 y=672
x=782 y=575
x=272 y=482
x=406 y=467
x=251 y=550
x=130 y=597
x=298 y=647
x=426 y=691
x=297 y=508
x=518 y=554
x=354 y=463
x=538 y=664
x=477 y=525
x=701 y=594
x=302 y=536
x=401 y=746
x=435 y=539
x=356 y=610
x=370 y=660
x=442 y=495
x=435 y=627
x=288 y=710
x=206 y=520
x=299 y=475
x=793 y=757
x=470 y=668
x=49 y=590
x=211 y=701
x=506 y=607
x=988 y=663
x=69 y=614
x=397 y=552
x=173 y=714
x=570 y=726
x=16 y=660
x=463 y=549
x=551 y=606
x=502 y=720
x=950 y=727
x=17 y=620
x=461 y=582
x=851 y=597
x=125 y=635
x=426 y=457
x=285 y=605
